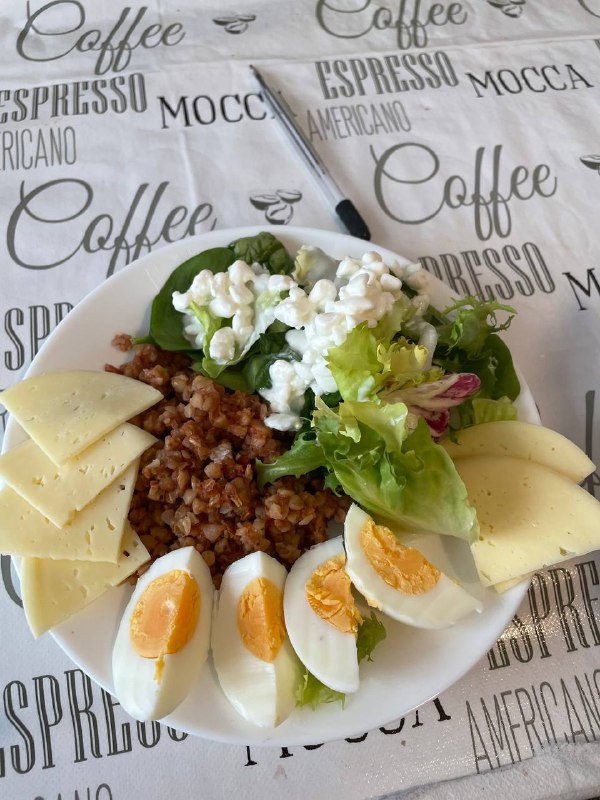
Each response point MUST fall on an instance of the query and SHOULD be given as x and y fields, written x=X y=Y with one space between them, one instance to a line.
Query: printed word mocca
x=411 y=21
x=356 y=77
x=411 y=187
x=588 y=286
x=142 y=224
x=529 y=79
x=494 y=274
x=58 y=28
x=206 y=110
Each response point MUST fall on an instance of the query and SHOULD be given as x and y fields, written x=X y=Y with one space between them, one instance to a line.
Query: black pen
x=344 y=208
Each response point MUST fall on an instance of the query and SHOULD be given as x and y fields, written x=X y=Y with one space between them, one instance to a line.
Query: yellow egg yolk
x=329 y=594
x=260 y=619
x=165 y=617
x=399 y=566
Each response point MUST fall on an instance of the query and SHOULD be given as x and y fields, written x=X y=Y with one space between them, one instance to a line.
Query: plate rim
x=13 y=434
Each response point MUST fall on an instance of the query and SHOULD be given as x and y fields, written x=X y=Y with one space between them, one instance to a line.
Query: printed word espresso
x=356 y=77
x=410 y=20
x=494 y=274
x=78 y=98
x=37 y=713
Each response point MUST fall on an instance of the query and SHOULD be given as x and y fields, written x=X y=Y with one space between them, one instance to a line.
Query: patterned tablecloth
x=467 y=134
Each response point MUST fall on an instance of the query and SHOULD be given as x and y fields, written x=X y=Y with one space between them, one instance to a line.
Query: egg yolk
x=401 y=567
x=260 y=619
x=165 y=617
x=329 y=594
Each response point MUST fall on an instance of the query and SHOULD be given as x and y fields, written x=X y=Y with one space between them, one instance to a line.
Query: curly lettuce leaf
x=371 y=631
x=486 y=410
x=311 y=692
x=408 y=480
x=472 y=322
x=363 y=365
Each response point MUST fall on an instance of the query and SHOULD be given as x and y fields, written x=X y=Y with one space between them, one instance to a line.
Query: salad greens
x=311 y=692
x=376 y=437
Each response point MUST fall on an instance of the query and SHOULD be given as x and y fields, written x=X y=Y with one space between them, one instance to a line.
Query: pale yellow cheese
x=504 y=586
x=522 y=440
x=529 y=516
x=66 y=412
x=58 y=492
x=94 y=534
x=52 y=591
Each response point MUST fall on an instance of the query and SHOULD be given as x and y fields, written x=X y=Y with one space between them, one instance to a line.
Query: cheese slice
x=522 y=440
x=529 y=516
x=58 y=492
x=504 y=586
x=66 y=412
x=94 y=534
x=52 y=591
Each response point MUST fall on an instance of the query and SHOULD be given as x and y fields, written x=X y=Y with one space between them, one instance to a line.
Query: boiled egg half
x=254 y=660
x=399 y=580
x=164 y=635
x=321 y=616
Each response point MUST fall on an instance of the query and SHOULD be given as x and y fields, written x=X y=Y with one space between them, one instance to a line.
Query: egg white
x=136 y=688
x=330 y=654
x=262 y=692
x=440 y=607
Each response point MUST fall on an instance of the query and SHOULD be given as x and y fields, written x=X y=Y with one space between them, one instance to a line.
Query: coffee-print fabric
x=467 y=135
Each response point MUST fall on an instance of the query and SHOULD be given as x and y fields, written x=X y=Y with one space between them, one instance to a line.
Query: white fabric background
x=216 y=167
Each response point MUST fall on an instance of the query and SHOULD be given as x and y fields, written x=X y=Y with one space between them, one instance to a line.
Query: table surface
x=467 y=135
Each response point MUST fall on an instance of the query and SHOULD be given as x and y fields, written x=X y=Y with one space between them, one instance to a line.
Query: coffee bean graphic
x=289 y=196
x=279 y=214
x=591 y=162
x=235 y=23
x=264 y=200
x=512 y=8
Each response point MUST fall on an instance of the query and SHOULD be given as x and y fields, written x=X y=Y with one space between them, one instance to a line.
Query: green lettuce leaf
x=311 y=692
x=370 y=632
x=486 y=410
x=303 y=457
x=311 y=265
x=407 y=480
x=472 y=322
x=363 y=365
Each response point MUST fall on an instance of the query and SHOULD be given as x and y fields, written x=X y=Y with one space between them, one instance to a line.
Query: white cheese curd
x=246 y=300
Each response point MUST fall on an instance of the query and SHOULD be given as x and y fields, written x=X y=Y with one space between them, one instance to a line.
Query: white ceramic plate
x=411 y=666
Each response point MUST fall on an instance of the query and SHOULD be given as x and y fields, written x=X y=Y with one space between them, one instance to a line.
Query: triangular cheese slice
x=58 y=492
x=94 y=534
x=529 y=516
x=52 y=591
x=66 y=412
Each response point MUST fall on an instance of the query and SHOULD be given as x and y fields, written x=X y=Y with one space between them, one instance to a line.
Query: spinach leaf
x=264 y=249
x=166 y=324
